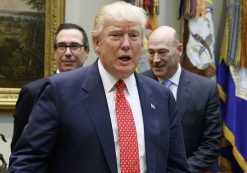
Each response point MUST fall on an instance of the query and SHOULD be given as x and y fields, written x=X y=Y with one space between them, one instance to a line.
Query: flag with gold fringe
x=152 y=9
x=232 y=84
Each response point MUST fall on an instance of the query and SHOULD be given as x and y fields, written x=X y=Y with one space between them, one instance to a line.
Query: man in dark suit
x=77 y=124
x=197 y=99
x=67 y=34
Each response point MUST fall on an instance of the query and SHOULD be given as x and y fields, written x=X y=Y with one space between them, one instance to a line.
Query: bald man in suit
x=197 y=100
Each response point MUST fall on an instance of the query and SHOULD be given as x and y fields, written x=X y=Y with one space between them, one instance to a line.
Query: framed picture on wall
x=27 y=30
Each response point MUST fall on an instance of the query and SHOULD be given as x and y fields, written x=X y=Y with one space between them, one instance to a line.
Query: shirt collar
x=175 y=77
x=109 y=80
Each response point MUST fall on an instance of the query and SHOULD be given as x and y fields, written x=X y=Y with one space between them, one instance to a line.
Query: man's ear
x=87 y=50
x=180 y=49
x=96 y=44
x=95 y=41
x=86 y=54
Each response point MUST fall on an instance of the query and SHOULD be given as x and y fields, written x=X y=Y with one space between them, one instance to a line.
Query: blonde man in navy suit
x=73 y=127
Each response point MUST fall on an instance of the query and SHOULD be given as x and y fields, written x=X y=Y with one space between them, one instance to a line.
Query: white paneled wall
x=6 y=128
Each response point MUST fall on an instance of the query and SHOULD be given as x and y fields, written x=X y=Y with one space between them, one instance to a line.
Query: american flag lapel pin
x=152 y=106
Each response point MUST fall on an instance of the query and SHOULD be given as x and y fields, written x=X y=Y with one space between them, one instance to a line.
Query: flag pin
x=152 y=106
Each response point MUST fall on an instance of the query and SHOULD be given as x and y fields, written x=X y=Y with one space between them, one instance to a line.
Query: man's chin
x=157 y=73
x=124 y=73
x=68 y=68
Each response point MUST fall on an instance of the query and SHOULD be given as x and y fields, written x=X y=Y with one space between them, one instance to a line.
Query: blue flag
x=234 y=111
x=232 y=84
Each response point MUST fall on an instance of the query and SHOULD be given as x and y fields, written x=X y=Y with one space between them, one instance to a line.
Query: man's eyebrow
x=157 y=49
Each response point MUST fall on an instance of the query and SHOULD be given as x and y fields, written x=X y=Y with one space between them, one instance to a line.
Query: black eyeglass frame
x=62 y=47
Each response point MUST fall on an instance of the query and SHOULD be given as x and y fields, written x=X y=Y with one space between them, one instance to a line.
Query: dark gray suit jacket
x=70 y=129
x=199 y=107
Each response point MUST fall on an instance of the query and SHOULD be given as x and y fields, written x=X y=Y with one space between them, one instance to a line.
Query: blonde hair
x=119 y=11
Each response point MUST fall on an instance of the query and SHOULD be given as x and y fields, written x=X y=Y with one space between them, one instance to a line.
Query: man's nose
x=68 y=51
x=125 y=42
x=156 y=57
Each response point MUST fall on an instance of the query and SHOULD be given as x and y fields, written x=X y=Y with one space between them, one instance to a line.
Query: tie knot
x=120 y=85
x=167 y=83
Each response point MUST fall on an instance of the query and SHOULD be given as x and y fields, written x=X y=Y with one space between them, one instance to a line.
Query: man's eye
x=134 y=36
x=61 y=45
x=115 y=35
x=75 y=46
x=162 y=52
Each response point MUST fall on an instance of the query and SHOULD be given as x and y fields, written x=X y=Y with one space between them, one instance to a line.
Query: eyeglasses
x=74 y=47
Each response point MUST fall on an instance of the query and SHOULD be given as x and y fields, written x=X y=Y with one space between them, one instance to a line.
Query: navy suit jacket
x=199 y=107
x=70 y=129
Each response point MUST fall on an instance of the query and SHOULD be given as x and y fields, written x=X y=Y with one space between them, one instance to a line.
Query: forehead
x=122 y=26
x=160 y=42
x=68 y=35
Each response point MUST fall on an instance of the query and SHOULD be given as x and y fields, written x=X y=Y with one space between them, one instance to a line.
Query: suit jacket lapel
x=92 y=89
x=150 y=120
x=183 y=93
x=99 y=113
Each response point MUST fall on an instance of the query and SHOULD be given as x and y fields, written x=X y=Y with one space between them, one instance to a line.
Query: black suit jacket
x=27 y=98
x=70 y=129
x=199 y=107
x=24 y=105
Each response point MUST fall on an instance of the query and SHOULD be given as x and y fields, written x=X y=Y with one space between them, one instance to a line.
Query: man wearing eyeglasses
x=71 y=50
x=71 y=47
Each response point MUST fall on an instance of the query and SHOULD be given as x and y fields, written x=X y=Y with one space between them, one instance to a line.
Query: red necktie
x=129 y=153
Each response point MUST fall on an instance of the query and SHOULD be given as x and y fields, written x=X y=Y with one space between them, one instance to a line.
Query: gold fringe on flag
x=224 y=52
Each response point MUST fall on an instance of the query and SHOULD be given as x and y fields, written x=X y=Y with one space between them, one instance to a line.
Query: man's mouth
x=68 y=61
x=125 y=58
x=159 y=66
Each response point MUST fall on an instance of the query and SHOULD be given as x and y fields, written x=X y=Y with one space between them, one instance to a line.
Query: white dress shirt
x=132 y=95
x=175 y=81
